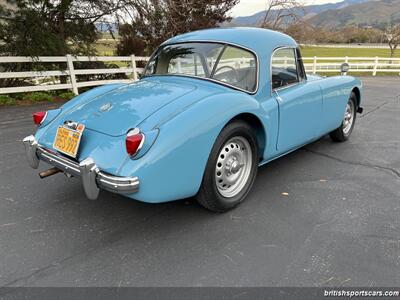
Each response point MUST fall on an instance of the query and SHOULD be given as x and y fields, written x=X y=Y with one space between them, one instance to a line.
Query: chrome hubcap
x=233 y=167
x=348 y=117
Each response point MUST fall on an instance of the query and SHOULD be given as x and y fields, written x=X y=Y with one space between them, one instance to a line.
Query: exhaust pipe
x=49 y=172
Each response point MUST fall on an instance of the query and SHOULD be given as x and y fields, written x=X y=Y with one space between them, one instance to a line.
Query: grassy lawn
x=341 y=52
x=35 y=97
x=106 y=48
x=107 y=35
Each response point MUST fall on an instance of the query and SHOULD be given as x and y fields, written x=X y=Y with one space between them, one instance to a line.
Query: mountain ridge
x=348 y=12
x=375 y=13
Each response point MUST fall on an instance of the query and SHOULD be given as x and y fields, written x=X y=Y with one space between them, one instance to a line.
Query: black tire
x=209 y=196
x=339 y=134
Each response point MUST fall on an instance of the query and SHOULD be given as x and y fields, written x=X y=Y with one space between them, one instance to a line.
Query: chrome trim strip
x=92 y=177
x=59 y=161
x=45 y=116
x=115 y=184
x=119 y=187
x=210 y=79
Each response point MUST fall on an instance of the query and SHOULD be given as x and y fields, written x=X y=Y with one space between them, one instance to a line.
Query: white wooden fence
x=372 y=65
x=70 y=71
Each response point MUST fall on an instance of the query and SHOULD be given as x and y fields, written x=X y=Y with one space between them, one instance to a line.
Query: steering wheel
x=228 y=67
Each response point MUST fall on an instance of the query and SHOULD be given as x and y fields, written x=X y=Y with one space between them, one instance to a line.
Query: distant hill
x=373 y=13
x=349 y=12
x=308 y=12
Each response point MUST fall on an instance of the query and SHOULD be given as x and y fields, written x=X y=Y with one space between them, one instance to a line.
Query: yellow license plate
x=67 y=140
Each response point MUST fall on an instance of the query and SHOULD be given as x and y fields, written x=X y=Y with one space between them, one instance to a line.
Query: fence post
x=315 y=65
x=72 y=77
x=134 y=70
x=375 y=66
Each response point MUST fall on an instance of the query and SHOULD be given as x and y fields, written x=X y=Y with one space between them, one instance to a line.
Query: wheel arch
x=259 y=128
x=357 y=92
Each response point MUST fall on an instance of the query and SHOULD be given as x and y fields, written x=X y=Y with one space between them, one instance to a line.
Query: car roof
x=257 y=39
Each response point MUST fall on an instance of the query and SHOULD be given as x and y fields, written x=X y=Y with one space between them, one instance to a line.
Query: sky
x=249 y=7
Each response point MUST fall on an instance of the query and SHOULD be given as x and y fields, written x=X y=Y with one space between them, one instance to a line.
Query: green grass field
x=341 y=52
x=106 y=47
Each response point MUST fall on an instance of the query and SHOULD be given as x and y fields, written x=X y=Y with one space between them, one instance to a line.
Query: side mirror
x=344 y=68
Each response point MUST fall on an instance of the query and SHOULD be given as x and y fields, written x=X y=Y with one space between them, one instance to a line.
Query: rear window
x=230 y=65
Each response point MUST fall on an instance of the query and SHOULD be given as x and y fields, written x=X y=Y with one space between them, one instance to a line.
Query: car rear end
x=99 y=158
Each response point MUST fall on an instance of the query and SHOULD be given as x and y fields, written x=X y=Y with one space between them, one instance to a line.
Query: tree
x=392 y=35
x=154 y=21
x=130 y=42
x=302 y=32
x=281 y=13
x=52 y=27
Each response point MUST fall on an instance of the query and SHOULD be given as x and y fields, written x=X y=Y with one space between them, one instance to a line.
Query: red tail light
x=38 y=117
x=134 y=141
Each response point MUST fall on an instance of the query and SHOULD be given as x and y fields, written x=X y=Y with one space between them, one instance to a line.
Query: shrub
x=37 y=97
x=6 y=100
x=66 y=95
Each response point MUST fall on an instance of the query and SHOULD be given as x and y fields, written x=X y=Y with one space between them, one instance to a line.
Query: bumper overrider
x=93 y=178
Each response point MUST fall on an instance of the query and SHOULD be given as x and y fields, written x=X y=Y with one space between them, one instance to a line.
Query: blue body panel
x=300 y=110
x=181 y=118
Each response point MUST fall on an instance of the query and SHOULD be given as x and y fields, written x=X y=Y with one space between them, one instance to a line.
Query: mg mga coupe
x=211 y=107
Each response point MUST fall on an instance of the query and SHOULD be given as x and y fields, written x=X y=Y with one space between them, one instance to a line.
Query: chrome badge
x=106 y=107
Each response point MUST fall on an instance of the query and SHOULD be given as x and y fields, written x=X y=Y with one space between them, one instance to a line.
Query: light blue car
x=211 y=107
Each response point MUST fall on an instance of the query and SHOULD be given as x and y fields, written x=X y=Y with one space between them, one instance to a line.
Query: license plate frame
x=76 y=135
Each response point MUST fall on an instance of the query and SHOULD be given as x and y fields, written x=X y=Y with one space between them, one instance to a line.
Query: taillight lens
x=134 y=141
x=38 y=117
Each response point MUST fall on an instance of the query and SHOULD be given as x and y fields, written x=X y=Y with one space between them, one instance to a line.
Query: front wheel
x=231 y=168
x=343 y=133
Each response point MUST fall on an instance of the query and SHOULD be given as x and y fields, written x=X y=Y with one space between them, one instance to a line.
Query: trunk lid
x=119 y=110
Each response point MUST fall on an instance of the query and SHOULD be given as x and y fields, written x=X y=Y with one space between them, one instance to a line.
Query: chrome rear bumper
x=92 y=177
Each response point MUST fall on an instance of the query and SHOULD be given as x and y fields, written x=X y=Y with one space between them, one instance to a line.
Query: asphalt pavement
x=325 y=215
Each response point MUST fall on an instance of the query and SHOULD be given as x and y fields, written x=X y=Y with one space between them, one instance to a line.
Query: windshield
x=227 y=64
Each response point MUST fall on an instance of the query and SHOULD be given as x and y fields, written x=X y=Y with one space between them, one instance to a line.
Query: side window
x=284 y=68
x=237 y=67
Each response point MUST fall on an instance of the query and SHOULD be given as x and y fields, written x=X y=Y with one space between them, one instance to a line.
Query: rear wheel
x=231 y=168
x=343 y=133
